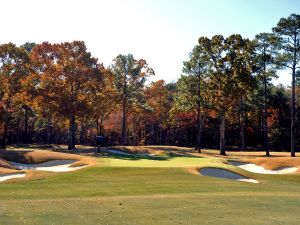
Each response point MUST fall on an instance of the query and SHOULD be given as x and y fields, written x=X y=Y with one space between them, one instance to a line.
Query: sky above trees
x=161 y=31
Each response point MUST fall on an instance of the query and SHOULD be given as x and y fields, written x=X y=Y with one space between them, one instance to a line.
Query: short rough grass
x=150 y=190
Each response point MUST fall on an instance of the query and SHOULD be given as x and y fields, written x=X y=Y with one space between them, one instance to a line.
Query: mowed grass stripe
x=114 y=181
x=168 y=209
x=167 y=162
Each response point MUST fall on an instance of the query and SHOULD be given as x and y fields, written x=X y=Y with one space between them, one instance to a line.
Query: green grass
x=156 y=209
x=158 y=161
x=150 y=190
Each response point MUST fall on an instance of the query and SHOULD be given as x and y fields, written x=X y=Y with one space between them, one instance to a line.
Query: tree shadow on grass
x=105 y=152
x=133 y=157
x=143 y=156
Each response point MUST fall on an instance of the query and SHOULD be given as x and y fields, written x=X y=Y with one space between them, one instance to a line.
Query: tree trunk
x=293 y=118
x=97 y=126
x=72 y=137
x=199 y=124
x=124 y=123
x=124 y=113
x=48 y=130
x=242 y=125
x=101 y=125
x=26 y=117
x=222 y=133
x=18 y=133
x=82 y=132
x=4 y=135
x=199 y=132
x=266 y=142
x=73 y=132
x=160 y=135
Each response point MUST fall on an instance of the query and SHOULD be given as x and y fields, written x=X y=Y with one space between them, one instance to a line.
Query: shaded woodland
x=59 y=93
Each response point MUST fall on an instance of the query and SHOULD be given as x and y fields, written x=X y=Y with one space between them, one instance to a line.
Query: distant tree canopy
x=60 y=93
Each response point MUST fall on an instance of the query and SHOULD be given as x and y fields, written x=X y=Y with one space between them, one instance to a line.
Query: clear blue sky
x=161 y=31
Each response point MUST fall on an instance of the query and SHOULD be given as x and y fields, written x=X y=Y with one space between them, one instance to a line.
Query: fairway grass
x=184 y=209
x=137 y=190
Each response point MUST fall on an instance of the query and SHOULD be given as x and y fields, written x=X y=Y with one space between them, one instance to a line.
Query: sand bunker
x=259 y=169
x=53 y=165
x=225 y=174
x=4 y=177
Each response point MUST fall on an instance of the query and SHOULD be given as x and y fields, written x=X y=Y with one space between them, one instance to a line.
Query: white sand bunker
x=225 y=174
x=53 y=165
x=259 y=169
x=4 y=177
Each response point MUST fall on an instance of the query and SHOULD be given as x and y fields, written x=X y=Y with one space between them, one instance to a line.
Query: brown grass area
x=40 y=156
x=277 y=159
x=275 y=162
x=4 y=170
x=193 y=170
x=213 y=152
x=37 y=156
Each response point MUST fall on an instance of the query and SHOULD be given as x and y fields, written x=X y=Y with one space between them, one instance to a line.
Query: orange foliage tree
x=63 y=76
x=14 y=67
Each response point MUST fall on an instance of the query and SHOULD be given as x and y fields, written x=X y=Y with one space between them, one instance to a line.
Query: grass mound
x=41 y=156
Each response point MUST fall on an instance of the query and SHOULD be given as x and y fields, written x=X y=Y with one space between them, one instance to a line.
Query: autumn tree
x=191 y=89
x=103 y=98
x=14 y=67
x=158 y=98
x=280 y=117
x=138 y=116
x=230 y=69
x=63 y=76
x=130 y=76
x=288 y=29
x=28 y=46
x=266 y=49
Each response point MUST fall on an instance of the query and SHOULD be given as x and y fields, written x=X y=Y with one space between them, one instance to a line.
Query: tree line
x=60 y=93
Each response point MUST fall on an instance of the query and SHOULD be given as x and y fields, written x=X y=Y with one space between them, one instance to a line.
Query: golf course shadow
x=142 y=156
